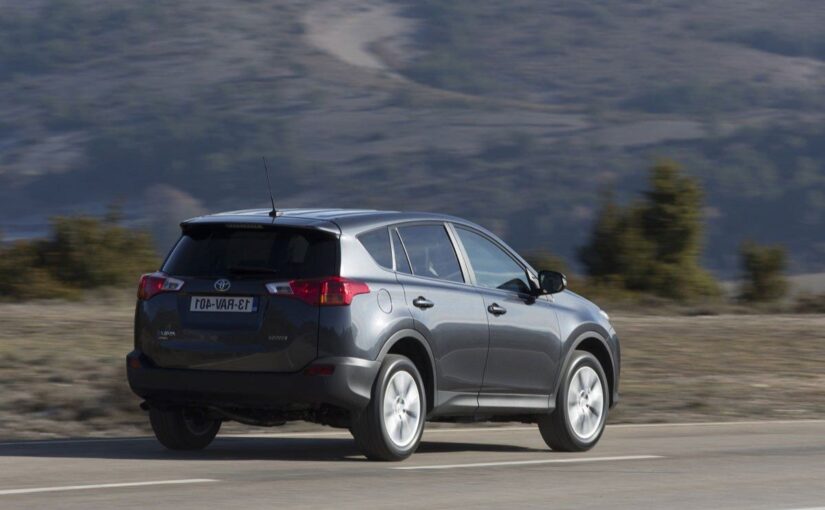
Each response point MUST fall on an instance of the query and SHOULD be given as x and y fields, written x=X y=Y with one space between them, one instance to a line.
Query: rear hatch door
x=223 y=317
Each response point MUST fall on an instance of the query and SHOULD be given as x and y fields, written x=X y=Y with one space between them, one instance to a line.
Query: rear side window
x=431 y=252
x=377 y=243
x=285 y=253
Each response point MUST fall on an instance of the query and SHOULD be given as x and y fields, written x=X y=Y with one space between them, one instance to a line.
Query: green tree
x=763 y=268
x=654 y=244
x=601 y=256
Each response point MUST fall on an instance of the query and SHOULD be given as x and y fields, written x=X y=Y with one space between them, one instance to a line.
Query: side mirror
x=552 y=282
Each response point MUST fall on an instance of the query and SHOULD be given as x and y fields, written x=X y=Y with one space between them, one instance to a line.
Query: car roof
x=335 y=220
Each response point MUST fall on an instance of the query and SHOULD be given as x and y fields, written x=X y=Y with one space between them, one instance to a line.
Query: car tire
x=582 y=404
x=391 y=426
x=183 y=429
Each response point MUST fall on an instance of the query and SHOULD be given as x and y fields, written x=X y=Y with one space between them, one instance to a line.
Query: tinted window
x=431 y=252
x=377 y=244
x=492 y=266
x=402 y=265
x=279 y=253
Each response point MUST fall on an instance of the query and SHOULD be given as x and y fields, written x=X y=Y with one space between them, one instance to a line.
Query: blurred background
x=669 y=156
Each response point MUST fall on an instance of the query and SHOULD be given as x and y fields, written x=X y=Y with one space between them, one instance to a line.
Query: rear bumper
x=349 y=386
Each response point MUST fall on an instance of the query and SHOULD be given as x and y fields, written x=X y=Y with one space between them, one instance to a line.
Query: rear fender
x=420 y=339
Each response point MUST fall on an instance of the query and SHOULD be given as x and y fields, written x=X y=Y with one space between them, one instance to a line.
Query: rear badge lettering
x=166 y=334
x=278 y=338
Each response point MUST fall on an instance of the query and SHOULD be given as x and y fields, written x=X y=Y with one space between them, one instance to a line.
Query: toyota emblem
x=222 y=285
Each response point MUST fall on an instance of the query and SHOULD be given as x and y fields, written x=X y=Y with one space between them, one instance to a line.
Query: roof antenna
x=274 y=212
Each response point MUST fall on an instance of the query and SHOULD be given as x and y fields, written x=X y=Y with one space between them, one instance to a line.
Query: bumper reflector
x=320 y=370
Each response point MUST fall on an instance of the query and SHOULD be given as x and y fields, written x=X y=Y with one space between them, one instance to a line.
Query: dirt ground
x=62 y=369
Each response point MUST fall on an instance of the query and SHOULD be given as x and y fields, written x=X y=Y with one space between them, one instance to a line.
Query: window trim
x=394 y=230
x=507 y=251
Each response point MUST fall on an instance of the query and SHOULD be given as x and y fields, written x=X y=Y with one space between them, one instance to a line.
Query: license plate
x=222 y=304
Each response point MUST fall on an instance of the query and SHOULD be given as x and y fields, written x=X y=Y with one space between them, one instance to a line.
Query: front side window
x=492 y=266
x=431 y=252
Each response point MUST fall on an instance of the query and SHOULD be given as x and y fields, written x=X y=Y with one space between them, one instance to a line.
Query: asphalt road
x=756 y=465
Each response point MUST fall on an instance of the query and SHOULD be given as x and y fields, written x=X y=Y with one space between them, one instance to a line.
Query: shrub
x=80 y=253
x=763 y=268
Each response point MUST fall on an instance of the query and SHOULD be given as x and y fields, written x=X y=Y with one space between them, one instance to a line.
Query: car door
x=525 y=345
x=446 y=310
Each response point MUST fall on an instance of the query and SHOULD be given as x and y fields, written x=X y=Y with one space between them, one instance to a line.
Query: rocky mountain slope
x=515 y=114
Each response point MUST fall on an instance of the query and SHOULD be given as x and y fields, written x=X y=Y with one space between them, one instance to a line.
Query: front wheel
x=183 y=429
x=391 y=425
x=581 y=407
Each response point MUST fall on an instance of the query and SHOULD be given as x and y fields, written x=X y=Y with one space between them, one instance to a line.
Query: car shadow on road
x=229 y=448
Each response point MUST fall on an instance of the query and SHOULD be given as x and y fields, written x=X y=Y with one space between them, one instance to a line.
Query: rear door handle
x=422 y=302
x=496 y=309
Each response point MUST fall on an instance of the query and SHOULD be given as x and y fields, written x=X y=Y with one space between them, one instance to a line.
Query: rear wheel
x=391 y=425
x=183 y=429
x=581 y=407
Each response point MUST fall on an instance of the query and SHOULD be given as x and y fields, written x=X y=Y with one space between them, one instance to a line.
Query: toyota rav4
x=367 y=320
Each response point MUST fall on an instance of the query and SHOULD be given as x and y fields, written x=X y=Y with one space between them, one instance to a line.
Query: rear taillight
x=153 y=284
x=331 y=291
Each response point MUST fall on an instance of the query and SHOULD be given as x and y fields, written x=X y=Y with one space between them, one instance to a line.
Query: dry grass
x=722 y=367
x=62 y=368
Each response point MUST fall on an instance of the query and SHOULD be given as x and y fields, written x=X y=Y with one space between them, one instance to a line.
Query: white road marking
x=530 y=462
x=427 y=432
x=8 y=492
x=713 y=424
x=76 y=441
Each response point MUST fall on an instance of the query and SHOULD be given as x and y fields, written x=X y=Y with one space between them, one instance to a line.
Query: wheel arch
x=595 y=343
x=413 y=345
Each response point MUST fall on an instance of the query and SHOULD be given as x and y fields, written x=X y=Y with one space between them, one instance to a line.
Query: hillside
x=514 y=114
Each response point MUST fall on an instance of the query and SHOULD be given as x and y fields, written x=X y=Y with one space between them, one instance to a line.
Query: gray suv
x=368 y=320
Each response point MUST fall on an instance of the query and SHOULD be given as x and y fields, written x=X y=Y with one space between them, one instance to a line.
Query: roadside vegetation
x=640 y=253
x=81 y=254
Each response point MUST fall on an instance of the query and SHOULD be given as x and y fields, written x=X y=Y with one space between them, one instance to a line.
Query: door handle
x=422 y=302
x=496 y=309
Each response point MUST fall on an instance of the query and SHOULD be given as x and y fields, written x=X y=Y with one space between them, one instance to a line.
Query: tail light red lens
x=153 y=284
x=331 y=291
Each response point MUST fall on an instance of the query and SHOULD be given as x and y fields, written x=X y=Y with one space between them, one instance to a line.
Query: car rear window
x=377 y=243
x=285 y=253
